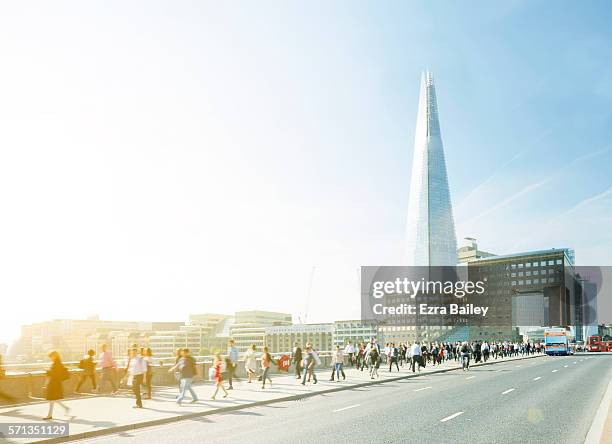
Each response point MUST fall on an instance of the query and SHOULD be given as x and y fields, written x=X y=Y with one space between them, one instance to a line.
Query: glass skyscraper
x=431 y=239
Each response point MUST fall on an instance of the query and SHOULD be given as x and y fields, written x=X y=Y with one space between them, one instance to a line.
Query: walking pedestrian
x=296 y=358
x=88 y=367
x=147 y=355
x=218 y=378
x=349 y=351
x=186 y=366
x=56 y=375
x=250 y=362
x=362 y=357
x=178 y=353
x=109 y=369
x=4 y=395
x=309 y=365
x=374 y=357
x=266 y=360
x=393 y=356
x=337 y=364
x=232 y=362
x=415 y=354
x=135 y=374
x=465 y=350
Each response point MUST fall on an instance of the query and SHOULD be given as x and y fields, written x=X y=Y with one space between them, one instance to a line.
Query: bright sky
x=166 y=158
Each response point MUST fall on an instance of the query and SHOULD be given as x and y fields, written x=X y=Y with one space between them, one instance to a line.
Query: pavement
x=547 y=400
x=97 y=415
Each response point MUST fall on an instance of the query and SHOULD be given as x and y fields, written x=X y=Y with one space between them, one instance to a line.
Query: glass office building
x=431 y=236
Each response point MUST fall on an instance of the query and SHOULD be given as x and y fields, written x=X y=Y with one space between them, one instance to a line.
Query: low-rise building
x=283 y=338
x=354 y=331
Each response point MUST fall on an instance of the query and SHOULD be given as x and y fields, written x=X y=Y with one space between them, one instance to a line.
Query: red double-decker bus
x=595 y=344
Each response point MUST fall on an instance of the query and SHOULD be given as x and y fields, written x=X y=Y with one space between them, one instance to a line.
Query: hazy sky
x=166 y=158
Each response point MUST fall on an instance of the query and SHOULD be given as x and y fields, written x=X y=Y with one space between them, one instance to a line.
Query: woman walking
x=374 y=362
x=250 y=362
x=338 y=364
x=177 y=373
x=147 y=355
x=218 y=378
x=266 y=360
x=56 y=375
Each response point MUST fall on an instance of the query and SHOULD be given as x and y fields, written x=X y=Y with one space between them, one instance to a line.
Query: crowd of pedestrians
x=418 y=355
x=370 y=355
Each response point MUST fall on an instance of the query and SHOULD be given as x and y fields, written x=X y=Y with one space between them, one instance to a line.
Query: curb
x=162 y=421
x=595 y=433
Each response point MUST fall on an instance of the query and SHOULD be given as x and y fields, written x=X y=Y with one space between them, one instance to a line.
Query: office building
x=526 y=291
x=282 y=338
x=249 y=327
x=431 y=236
x=355 y=331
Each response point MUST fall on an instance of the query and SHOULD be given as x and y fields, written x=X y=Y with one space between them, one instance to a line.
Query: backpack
x=86 y=364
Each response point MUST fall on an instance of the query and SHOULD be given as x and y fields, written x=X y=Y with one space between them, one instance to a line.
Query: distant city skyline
x=224 y=156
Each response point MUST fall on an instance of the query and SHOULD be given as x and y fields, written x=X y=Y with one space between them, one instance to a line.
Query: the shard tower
x=431 y=237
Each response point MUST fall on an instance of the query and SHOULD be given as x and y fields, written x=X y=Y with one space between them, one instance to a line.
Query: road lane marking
x=422 y=388
x=517 y=365
x=574 y=362
x=448 y=418
x=507 y=391
x=470 y=377
x=555 y=370
x=500 y=370
x=566 y=366
x=539 y=377
x=346 y=408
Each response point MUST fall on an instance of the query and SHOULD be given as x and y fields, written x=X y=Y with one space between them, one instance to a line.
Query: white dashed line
x=517 y=366
x=539 y=377
x=507 y=391
x=422 y=388
x=566 y=366
x=574 y=362
x=346 y=408
x=555 y=370
x=448 y=418
x=470 y=377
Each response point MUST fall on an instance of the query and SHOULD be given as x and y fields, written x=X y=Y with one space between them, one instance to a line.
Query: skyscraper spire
x=431 y=230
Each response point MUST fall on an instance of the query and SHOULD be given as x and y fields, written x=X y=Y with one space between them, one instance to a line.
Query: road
x=550 y=400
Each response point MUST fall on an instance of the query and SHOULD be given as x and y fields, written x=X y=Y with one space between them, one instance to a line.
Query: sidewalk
x=99 y=415
x=606 y=436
